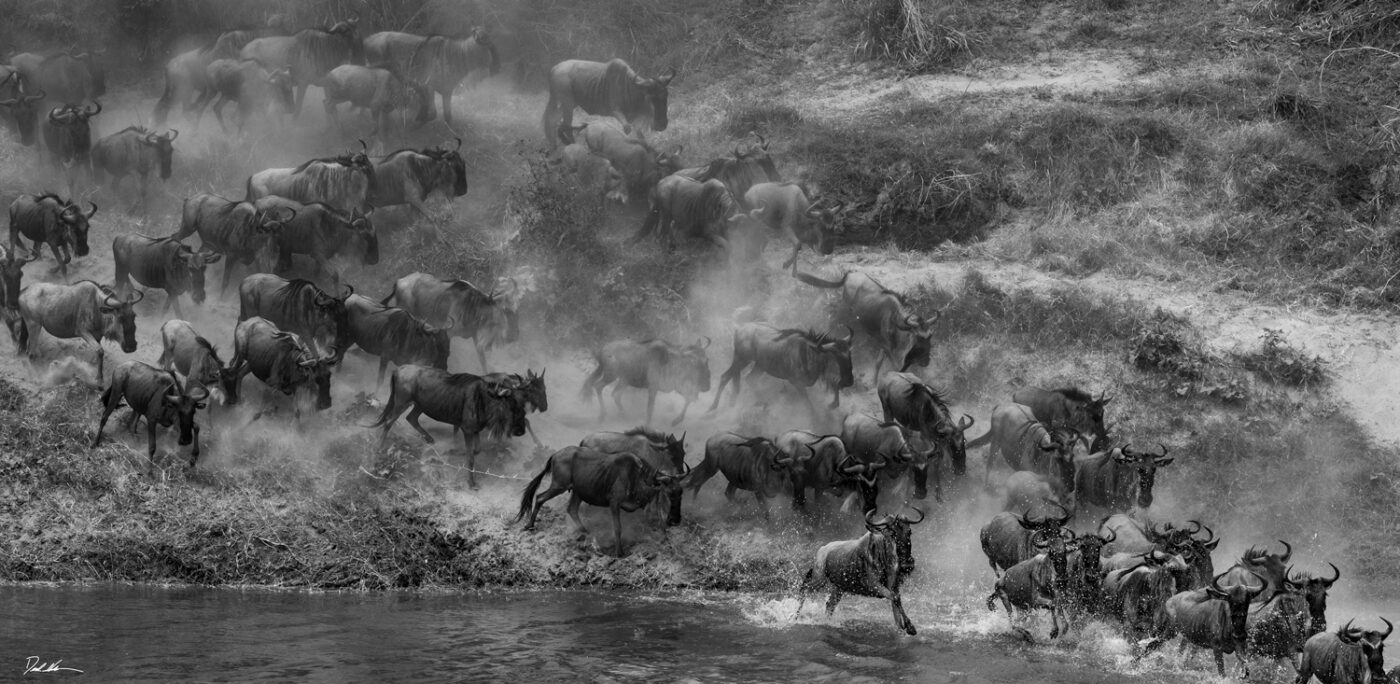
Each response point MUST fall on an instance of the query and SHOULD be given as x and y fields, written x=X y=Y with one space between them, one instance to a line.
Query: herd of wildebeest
x=1158 y=580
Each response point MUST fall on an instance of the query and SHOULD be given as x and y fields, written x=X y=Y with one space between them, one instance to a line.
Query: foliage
x=1281 y=363
x=1167 y=344
x=918 y=35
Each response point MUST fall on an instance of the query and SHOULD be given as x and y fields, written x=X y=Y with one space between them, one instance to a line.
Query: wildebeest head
x=25 y=109
x=1271 y=566
x=163 y=147
x=119 y=319
x=1314 y=590
x=75 y=119
x=317 y=370
x=1058 y=446
x=11 y=272
x=178 y=406
x=531 y=392
x=757 y=155
x=483 y=38
x=954 y=437
x=1056 y=545
x=896 y=527
x=694 y=360
x=1045 y=523
x=921 y=340
x=1238 y=596
x=816 y=230
x=507 y=414
x=348 y=30
x=1146 y=464
x=863 y=476
x=654 y=90
x=1372 y=643
x=1091 y=552
x=333 y=320
x=186 y=262
x=76 y=224
x=1093 y=410
x=283 y=86
x=836 y=355
x=363 y=239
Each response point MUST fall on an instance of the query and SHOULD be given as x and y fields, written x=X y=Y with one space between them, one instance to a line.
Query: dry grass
x=918 y=35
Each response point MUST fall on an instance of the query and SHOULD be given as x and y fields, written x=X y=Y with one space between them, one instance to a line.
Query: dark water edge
x=119 y=633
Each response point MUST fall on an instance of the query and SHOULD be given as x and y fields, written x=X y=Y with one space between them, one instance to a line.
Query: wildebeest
x=604 y=89
x=134 y=150
x=785 y=209
x=412 y=176
x=639 y=163
x=619 y=482
x=11 y=274
x=52 y=220
x=440 y=62
x=282 y=361
x=1314 y=590
x=380 y=91
x=468 y=403
x=1136 y=595
x=748 y=463
x=813 y=460
x=161 y=263
x=189 y=354
x=690 y=209
x=487 y=319
x=297 y=306
x=82 y=310
x=739 y=172
x=907 y=400
x=1085 y=563
x=653 y=365
x=24 y=107
x=1025 y=443
x=1118 y=479
x=241 y=231
x=395 y=336
x=1041 y=581
x=1133 y=540
x=801 y=357
x=1272 y=568
x=68 y=79
x=1006 y=539
x=1026 y=489
x=885 y=317
x=322 y=233
x=311 y=53
x=1279 y=628
x=870 y=441
x=873 y=565
x=68 y=136
x=529 y=390
x=1069 y=406
x=157 y=396
x=664 y=452
x=595 y=176
x=1212 y=618
x=187 y=74
x=1350 y=655
x=344 y=182
x=255 y=89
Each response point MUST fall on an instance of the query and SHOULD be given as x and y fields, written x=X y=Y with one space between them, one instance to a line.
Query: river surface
x=156 y=634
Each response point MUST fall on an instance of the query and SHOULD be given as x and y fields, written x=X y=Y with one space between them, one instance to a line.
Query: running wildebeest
x=241 y=231
x=748 y=463
x=282 y=361
x=134 y=150
x=664 y=452
x=1272 y=568
x=255 y=89
x=68 y=79
x=873 y=565
x=739 y=172
x=1041 y=581
x=1279 y=628
x=619 y=482
x=813 y=460
x=653 y=365
x=1137 y=595
x=82 y=310
x=381 y=92
x=440 y=62
x=469 y=313
x=1025 y=443
x=311 y=53
x=684 y=208
x=157 y=396
x=344 y=182
x=885 y=317
x=870 y=441
x=640 y=164
x=604 y=89
x=297 y=306
x=52 y=220
x=24 y=108
x=68 y=138
x=466 y=402
x=410 y=177
x=1350 y=655
x=322 y=233
x=529 y=390
x=1213 y=618
x=11 y=274
x=1134 y=540
x=1007 y=538
x=187 y=74
x=1118 y=479
x=161 y=263
x=785 y=209
x=1068 y=406
x=191 y=355
x=801 y=357
x=916 y=406
x=395 y=336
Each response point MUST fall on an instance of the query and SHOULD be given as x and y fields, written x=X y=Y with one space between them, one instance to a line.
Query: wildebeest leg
x=729 y=492
x=617 y=397
x=332 y=115
x=59 y=256
x=555 y=489
x=383 y=366
x=1220 y=662
x=558 y=112
x=921 y=484
x=762 y=503
x=832 y=600
x=194 y=452
x=651 y=403
x=114 y=399
x=681 y=417
x=472 y=443
x=481 y=355
x=413 y=422
x=572 y=509
x=446 y=96
x=736 y=368
x=228 y=274
x=792 y=261
x=300 y=97
x=617 y=526
x=900 y=619
x=151 y=445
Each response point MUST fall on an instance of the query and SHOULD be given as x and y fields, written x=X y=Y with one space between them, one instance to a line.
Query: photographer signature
x=33 y=664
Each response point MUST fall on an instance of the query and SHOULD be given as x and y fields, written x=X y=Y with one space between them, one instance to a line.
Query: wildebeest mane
x=343 y=160
x=938 y=396
x=49 y=194
x=1254 y=555
x=200 y=341
x=138 y=129
x=1074 y=394
x=652 y=435
x=810 y=335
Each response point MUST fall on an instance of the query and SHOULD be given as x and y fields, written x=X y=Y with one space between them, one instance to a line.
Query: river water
x=154 y=634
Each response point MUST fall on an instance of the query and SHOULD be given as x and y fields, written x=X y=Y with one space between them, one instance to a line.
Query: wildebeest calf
x=157 y=396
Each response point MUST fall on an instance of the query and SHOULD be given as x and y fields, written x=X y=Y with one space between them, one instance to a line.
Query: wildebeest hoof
x=909 y=629
x=473 y=486
x=1025 y=634
x=428 y=439
x=921 y=494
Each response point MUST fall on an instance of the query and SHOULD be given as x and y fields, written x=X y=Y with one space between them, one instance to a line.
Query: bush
x=1168 y=344
x=916 y=34
x=1083 y=159
x=1283 y=364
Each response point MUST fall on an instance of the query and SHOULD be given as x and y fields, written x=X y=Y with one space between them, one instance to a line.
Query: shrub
x=1168 y=344
x=1281 y=363
x=1083 y=159
x=916 y=34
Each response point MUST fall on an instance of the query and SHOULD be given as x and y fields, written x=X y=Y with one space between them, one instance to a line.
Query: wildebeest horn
x=1210 y=537
x=38 y=96
x=1067 y=516
x=139 y=296
x=850 y=334
x=53 y=114
x=870 y=522
x=363 y=147
x=203 y=394
x=94 y=112
x=1336 y=575
x=173 y=134
x=1388 y=628
x=349 y=290
x=92 y=210
x=762 y=144
x=290 y=216
x=706 y=345
x=850 y=470
x=966 y=422
x=1195 y=526
x=459 y=144
x=1287 y=552
x=1111 y=539
x=905 y=518
x=666 y=80
x=151 y=138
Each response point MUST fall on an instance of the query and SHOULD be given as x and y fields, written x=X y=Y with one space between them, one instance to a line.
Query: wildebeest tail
x=818 y=282
x=163 y=104
x=648 y=225
x=385 y=301
x=527 y=500
x=388 y=405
